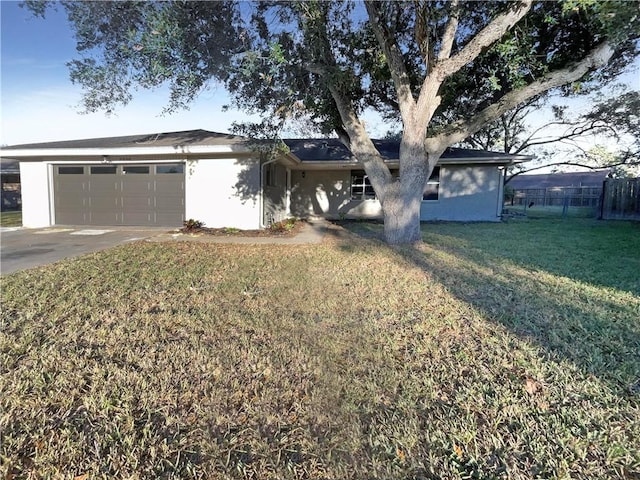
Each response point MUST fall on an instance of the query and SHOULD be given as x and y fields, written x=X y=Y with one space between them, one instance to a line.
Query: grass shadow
x=546 y=283
x=594 y=252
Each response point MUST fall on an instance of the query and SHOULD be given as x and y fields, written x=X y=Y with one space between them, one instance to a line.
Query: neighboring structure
x=573 y=189
x=219 y=179
x=10 y=184
x=550 y=180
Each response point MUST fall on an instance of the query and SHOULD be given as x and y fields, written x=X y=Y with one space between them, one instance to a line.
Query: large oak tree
x=443 y=69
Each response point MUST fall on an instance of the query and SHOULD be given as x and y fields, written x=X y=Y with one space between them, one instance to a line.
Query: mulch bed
x=235 y=232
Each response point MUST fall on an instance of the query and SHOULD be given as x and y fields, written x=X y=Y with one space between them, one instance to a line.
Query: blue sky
x=39 y=102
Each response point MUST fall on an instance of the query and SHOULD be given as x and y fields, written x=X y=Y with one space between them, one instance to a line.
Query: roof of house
x=333 y=150
x=306 y=150
x=570 y=179
x=171 y=139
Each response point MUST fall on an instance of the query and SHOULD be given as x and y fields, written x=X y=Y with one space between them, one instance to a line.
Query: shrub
x=284 y=225
x=192 y=225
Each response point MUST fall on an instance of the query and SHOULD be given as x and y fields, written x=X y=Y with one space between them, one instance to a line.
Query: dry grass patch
x=345 y=360
x=10 y=219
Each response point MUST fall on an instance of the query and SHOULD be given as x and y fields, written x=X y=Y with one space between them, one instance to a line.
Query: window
x=70 y=170
x=108 y=170
x=270 y=177
x=168 y=169
x=134 y=169
x=432 y=192
x=361 y=188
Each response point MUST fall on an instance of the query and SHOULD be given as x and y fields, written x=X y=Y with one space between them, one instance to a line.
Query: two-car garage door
x=141 y=194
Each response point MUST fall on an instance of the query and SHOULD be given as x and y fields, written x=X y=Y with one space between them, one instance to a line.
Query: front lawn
x=490 y=351
x=10 y=219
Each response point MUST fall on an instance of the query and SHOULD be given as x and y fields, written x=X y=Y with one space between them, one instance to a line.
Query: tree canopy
x=444 y=69
x=131 y=45
x=562 y=140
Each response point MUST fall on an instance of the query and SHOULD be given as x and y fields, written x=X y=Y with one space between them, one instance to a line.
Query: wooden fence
x=621 y=199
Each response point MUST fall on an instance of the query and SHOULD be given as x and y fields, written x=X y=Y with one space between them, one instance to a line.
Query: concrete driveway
x=24 y=248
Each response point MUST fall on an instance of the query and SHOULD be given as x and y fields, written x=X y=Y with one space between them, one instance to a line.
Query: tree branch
x=462 y=129
x=557 y=164
x=353 y=135
x=429 y=100
x=623 y=160
x=421 y=31
x=486 y=37
x=450 y=30
x=394 y=59
x=547 y=125
x=476 y=143
x=576 y=132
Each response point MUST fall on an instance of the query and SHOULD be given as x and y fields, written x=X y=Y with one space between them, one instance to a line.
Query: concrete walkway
x=312 y=232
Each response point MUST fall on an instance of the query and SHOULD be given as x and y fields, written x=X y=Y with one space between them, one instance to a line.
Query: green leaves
x=278 y=58
x=129 y=45
x=494 y=82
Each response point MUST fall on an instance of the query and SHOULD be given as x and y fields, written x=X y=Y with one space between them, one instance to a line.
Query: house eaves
x=172 y=145
x=332 y=154
x=122 y=153
x=395 y=163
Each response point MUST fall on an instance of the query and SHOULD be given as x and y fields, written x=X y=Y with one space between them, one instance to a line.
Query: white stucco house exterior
x=219 y=179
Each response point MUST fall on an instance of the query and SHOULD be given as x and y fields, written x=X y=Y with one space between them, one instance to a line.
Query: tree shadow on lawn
x=592 y=251
x=594 y=328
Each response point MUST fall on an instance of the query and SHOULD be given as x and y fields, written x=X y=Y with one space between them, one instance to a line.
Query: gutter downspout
x=501 y=176
x=268 y=162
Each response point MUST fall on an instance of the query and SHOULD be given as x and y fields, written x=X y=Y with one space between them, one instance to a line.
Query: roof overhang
x=352 y=164
x=201 y=144
x=36 y=154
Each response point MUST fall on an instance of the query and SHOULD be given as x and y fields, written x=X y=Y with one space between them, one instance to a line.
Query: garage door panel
x=105 y=218
x=143 y=194
x=73 y=201
x=105 y=201
x=137 y=188
x=170 y=219
x=170 y=192
x=72 y=218
x=69 y=189
x=132 y=185
x=106 y=209
x=103 y=188
x=134 y=198
x=133 y=204
x=169 y=185
x=169 y=199
x=138 y=218
x=169 y=204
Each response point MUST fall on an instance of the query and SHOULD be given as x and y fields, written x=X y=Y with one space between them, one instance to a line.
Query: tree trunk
x=402 y=217
x=403 y=197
